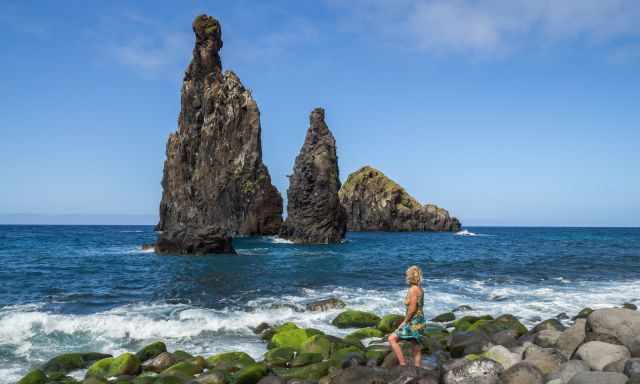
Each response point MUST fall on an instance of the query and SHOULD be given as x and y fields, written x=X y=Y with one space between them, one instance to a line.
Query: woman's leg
x=417 y=354
x=393 y=342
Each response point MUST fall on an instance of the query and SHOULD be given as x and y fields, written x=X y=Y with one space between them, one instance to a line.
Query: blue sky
x=505 y=113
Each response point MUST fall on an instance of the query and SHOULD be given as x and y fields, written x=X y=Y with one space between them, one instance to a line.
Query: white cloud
x=161 y=51
x=495 y=26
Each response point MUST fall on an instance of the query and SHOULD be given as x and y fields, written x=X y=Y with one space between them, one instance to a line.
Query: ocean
x=92 y=288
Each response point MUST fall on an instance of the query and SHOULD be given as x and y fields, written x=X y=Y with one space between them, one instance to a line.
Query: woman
x=412 y=328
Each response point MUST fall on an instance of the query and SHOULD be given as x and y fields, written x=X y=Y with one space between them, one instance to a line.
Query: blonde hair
x=414 y=275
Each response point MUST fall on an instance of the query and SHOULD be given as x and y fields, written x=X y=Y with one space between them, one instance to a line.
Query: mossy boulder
x=183 y=369
x=390 y=323
x=72 y=361
x=444 y=317
x=463 y=324
x=341 y=355
x=309 y=372
x=152 y=350
x=583 y=314
x=34 y=377
x=182 y=355
x=502 y=323
x=97 y=380
x=169 y=380
x=313 y=332
x=285 y=327
x=317 y=344
x=215 y=376
x=377 y=354
x=292 y=338
x=230 y=361
x=365 y=333
x=250 y=374
x=306 y=358
x=145 y=378
x=355 y=319
x=125 y=364
x=279 y=357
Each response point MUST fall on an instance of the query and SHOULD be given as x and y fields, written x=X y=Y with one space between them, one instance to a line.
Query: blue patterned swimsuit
x=414 y=330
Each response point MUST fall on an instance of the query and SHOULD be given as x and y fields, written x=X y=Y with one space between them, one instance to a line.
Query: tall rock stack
x=214 y=177
x=314 y=212
x=374 y=202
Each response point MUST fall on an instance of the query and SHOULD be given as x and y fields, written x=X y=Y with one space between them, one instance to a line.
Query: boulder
x=193 y=240
x=308 y=372
x=598 y=354
x=317 y=344
x=306 y=358
x=292 y=338
x=213 y=175
x=34 y=377
x=272 y=379
x=630 y=306
x=279 y=357
x=616 y=366
x=572 y=338
x=599 y=378
x=373 y=202
x=479 y=371
x=229 y=361
x=68 y=362
x=546 y=338
x=444 y=317
x=361 y=375
x=150 y=351
x=250 y=374
x=125 y=364
x=463 y=323
x=365 y=333
x=546 y=359
x=502 y=355
x=213 y=377
x=464 y=343
x=325 y=304
x=583 y=314
x=522 y=373
x=566 y=371
x=184 y=369
x=549 y=325
x=314 y=212
x=632 y=367
x=355 y=319
x=501 y=323
x=160 y=362
x=623 y=324
x=507 y=338
x=390 y=323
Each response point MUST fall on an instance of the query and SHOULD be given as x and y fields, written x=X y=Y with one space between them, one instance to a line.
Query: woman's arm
x=413 y=304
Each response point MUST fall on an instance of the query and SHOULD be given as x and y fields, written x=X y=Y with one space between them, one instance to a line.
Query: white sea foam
x=278 y=240
x=466 y=232
x=36 y=335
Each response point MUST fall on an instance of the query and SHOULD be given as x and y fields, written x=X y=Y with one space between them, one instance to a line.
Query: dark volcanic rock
x=314 y=212
x=194 y=241
x=213 y=174
x=376 y=203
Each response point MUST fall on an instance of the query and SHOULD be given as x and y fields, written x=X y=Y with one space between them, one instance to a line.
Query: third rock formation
x=315 y=215
x=374 y=202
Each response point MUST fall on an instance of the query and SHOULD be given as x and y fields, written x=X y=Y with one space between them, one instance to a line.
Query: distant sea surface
x=92 y=288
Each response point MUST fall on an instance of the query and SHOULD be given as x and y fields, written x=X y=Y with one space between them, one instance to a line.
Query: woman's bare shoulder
x=415 y=290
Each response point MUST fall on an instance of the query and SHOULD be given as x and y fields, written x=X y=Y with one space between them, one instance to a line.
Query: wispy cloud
x=489 y=27
x=158 y=52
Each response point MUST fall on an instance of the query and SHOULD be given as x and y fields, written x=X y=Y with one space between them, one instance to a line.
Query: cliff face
x=213 y=175
x=374 y=202
x=314 y=212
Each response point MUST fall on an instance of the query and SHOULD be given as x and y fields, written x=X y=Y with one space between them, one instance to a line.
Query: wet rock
x=125 y=364
x=632 y=367
x=194 y=241
x=546 y=359
x=229 y=361
x=308 y=372
x=623 y=324
x=566 y=371
x=506 y=338
x=314 y=212
x=598 y=378
x=150 y=351
x=306 y=358
x=374 y=202
x=598 y=354
x=325 y=304
x=480 y=371
x=213 y=377
x=390 y=323
x=549 y=325
x=522 y=373
x=464 y=343
x=583 y=314
x=547 y=338
x=213 y=174
x=630 y=306
x=355 y=319
x=160 y=362
x=502 y=355
x=271 y=379
x=184 y=369
x=250 y=374
x=291 y=338
x=572 y=338
x=34 y=377
x=68 y=362
x=444 y=317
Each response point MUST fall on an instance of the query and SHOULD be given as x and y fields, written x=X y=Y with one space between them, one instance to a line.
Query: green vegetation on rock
x=292 y=338
x=365 y=333
x=125 y=364
x=279 y=357
x=444 y=317
x=250 y=374
x=230 y=361
x=183 y=368
x=152 y=350
x=390 y=323
x=317 y=344
x=34 y=377
x=355 y=319
x=306 y=358
x=310 y=372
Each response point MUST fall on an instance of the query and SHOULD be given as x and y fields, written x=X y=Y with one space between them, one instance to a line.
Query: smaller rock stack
x=315 y=215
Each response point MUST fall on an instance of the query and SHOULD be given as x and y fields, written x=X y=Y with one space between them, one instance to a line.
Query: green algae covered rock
x=444 y=317
x=502 y=323
x=285 y=327
x=292 y=338
x=152 y=350
x=250 y=374
x=309 y=372
x=340 y=355
x=230 y=361
x=182 y=355
x=183 y=369
x=317 y=344
x=463 y=324
x=34 y=377
x=365 y=333
x=97 y=380
x=377 y=354
x=390 y=323
x=355 y=319
x=215 y=376
x=125 y=364
x=169 y=380
x=71 y=361
x=279 y=357
x=306 y=358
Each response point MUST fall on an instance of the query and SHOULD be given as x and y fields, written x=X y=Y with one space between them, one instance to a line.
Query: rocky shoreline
x=595 y=346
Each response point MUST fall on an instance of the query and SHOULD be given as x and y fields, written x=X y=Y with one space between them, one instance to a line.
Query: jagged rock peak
x=374 y=202
x=315 y=215
x=214 y=176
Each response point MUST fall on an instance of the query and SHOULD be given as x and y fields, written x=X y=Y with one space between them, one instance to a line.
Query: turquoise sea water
x=71 y=288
